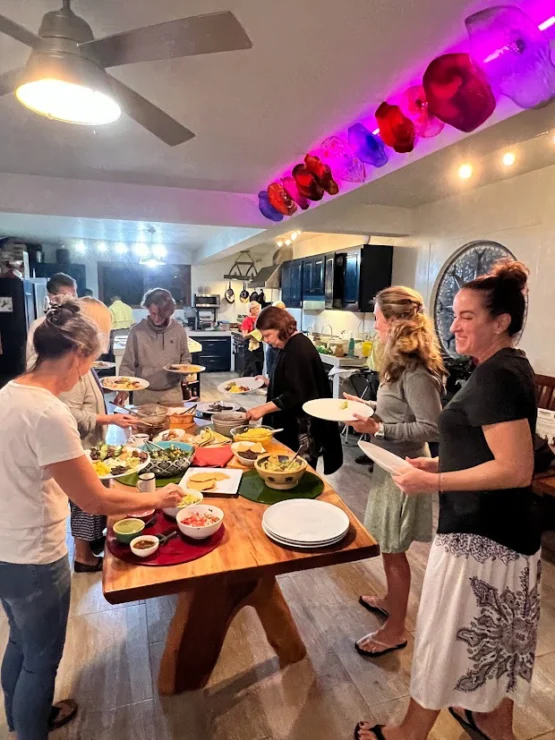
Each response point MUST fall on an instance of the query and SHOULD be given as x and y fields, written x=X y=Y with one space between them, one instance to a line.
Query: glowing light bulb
x=159 y=251
x=509 y=159
x=294 y=235
x=121 y=248
x=279 y=243
x=102 y=247
x=141 y=250
x=66 y=101
x=465 y=171
x=81 y=247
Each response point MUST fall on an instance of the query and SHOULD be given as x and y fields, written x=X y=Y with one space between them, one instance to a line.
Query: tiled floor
x=112 y=655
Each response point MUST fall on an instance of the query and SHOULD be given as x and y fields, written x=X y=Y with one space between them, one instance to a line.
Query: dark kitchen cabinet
x=376 y=265
x=351 y=285
x=215 y=354
x=291 y=283
x=314 y=277
x=329 y=280
x=308 y=277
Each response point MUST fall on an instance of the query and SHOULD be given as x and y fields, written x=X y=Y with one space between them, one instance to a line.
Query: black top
x=499 y=390
x=299 y=376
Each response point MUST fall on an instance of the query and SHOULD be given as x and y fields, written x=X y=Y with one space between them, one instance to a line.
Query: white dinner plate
x=138 y=469
x=305 y=521
x=121 y=383
x=385 y=459
x=302 y=546
x=331 y=409
x=192 y=369
x=102 y=365
x=228 y=487
x=206 y=408
x=249 y=383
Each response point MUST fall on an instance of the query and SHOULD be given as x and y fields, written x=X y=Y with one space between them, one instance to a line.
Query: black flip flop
x=62 y=713
x=370 y=654
x=468 y=724
x=373 y=609
x=376 y=730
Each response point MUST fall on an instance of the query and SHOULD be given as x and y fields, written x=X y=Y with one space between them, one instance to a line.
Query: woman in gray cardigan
x=407 y=411
x=86 y=402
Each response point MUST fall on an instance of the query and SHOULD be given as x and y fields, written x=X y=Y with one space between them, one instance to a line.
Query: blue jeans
x=36 y=601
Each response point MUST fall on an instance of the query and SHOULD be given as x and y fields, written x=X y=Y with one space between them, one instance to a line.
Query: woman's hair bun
x=60 y=313
x=511 y=271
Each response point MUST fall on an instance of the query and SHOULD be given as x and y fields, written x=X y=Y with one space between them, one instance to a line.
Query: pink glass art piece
x=337 y=153
x=368 y=147
x=415 y=106
x=507 y=44
x=458 y=92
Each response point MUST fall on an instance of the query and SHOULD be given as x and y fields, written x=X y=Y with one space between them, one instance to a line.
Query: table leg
x=201 y=621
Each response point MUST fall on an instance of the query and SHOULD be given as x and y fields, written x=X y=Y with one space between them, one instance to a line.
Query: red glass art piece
x=266 y=209
x=396 y=130
x=458 y=92
x=322 y=172
x=415 y=106
x=292 y=190
x=280 y=200
x=308 y=184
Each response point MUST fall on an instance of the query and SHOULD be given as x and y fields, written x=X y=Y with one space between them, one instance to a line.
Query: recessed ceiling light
x=294 y=235
x=81 y=247
x=279 y=243
x=102 y=247
x=465 y=171
x=121 y=248
x=509 y=158
x=288 y=242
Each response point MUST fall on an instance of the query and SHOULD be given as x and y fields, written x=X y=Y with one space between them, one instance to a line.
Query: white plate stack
x=305 y=523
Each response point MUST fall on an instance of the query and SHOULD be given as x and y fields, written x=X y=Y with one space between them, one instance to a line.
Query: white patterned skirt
x=477 y=625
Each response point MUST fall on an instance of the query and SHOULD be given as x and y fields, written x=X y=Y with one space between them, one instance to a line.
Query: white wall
x=518 y=213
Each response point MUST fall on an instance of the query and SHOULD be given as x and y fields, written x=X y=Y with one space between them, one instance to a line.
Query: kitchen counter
x=208 y=334
x=343 y=361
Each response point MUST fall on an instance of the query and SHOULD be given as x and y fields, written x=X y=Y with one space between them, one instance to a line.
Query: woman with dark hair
x=298 y=377
x=42 y=463
x=153 y=343
x=479 y=610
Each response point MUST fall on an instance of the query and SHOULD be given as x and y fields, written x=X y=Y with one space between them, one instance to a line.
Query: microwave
x=207 y=301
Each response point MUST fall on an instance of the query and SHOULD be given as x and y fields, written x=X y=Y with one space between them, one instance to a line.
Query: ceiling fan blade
x=149 y=116
x=9 y=80
x=201 y=34
x=17 y=32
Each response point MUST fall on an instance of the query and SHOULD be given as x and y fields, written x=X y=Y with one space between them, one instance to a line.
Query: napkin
x=214 y=457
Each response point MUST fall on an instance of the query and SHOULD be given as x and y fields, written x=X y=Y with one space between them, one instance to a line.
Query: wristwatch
x=380 y=434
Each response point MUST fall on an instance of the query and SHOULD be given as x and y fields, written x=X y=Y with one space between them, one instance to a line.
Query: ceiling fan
x=65 y=76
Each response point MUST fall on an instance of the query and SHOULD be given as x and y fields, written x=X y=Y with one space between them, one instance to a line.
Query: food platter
x=240 y=385
x=124 y=383
x=337 y=409
x=218 y=481
x=185 y=368
x=102 y=365
x=116 y=456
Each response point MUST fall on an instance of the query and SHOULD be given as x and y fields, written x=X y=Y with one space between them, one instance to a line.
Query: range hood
x=267 y=277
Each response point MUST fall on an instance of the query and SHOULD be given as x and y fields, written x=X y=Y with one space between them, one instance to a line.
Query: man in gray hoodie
x=153 y=343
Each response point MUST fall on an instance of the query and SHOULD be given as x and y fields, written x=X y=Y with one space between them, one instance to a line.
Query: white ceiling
x=315 y=66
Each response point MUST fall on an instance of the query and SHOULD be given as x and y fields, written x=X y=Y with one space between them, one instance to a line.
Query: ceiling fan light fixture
x=67 y=88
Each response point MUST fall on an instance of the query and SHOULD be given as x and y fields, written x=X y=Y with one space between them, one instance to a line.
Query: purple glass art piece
x=293 y=192
x=368 y=147
x=340 y=157
x=514 y=54
x=458 y=92
x=415 y=106
x=266 y=208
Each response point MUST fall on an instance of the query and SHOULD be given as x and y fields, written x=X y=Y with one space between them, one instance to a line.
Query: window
x=131 y=281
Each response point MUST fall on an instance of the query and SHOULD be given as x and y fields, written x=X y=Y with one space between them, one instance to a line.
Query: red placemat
x=212 y=457
x=178 y=550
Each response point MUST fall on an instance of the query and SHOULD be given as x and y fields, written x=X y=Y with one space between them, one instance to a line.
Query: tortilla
x=201 y=477
x=202 y=485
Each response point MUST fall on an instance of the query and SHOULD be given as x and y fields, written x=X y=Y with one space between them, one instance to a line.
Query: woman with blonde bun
x=407 y=411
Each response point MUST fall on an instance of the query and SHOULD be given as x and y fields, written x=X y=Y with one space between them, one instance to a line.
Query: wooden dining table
x=240 y=572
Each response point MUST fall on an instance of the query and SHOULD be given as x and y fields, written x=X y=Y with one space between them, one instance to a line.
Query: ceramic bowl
x=264 y=440
x=281 y=481
x=171 y=511
x=144 y=553
x=225 y=421
x=199 y=533
x=127 y=529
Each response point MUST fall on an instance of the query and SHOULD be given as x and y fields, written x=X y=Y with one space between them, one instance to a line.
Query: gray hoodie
x=148 y=349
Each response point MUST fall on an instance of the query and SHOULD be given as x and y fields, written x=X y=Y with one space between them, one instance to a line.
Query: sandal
x=376 y=730
x=386 y=649
x=62 y=713
x=373 y=609
x=86 y=568
x=467 y=723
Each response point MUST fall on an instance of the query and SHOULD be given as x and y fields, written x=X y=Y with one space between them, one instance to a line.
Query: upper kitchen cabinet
x=314 y=277
x=366 y=270
x=291 y=283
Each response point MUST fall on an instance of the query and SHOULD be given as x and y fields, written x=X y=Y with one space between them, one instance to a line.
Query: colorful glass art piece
x=266 y=208
x=415 y=106
x=368 y=147
x=396 y=129
x=322 y=172
x=507 y=44
x=340 y=157
x=458 y=92
x=280 y=199
x=308 y=184
x=292 y=190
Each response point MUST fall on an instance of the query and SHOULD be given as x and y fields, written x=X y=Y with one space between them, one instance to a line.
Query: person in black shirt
x=479 y=610
x=298 y=376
